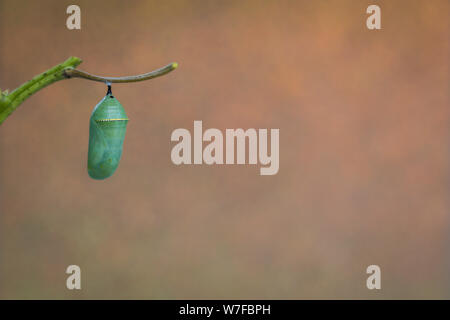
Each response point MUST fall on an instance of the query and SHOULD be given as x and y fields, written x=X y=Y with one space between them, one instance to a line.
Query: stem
x=10 y=102
x=65 y=70
x=74 y=73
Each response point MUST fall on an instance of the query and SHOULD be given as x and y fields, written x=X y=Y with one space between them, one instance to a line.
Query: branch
x=74 y=73
x=9 y=102
x=66 y=70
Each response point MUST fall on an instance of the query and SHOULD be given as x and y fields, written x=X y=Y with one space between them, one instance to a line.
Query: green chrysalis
x=107 y=128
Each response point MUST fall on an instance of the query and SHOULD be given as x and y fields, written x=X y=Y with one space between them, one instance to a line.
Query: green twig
x=10 y=102
x=66 y=70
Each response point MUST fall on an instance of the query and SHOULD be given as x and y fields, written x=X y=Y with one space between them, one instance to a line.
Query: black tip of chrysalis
x=109 y=92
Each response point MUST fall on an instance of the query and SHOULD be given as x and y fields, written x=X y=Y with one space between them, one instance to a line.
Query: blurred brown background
x=364 y=151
